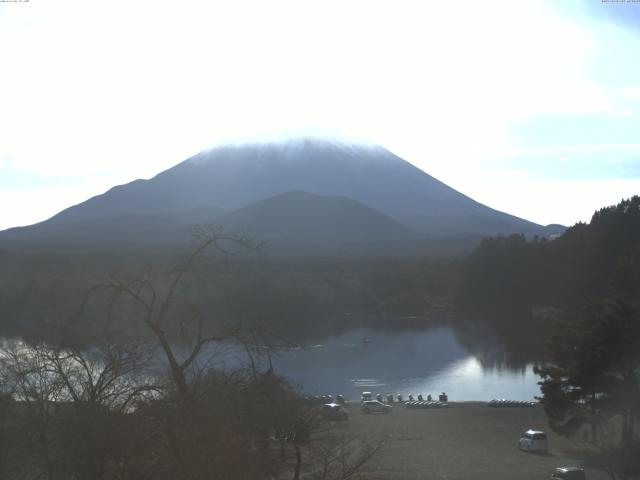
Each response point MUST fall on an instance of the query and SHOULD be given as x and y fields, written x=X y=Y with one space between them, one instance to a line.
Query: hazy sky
x=530 y=107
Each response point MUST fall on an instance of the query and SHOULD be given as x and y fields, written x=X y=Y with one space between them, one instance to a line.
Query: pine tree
x=596 y=370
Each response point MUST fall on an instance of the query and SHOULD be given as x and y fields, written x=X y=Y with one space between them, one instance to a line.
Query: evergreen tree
x=596 y=370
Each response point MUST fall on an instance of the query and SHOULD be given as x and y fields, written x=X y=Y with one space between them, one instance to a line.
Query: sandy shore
x=464 y=441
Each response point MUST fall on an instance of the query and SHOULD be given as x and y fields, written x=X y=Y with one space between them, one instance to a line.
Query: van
x=534 y=441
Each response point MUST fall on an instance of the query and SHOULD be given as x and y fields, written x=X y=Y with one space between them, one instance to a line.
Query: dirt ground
x=464 y=441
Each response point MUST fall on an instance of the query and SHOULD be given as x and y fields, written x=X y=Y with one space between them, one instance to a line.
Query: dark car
x=375 y=407
x=568 y=473
x=333 y=411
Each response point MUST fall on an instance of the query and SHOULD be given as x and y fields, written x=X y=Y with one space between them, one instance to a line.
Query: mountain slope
x=231 y=177
x=301 y=214
x=303 y=223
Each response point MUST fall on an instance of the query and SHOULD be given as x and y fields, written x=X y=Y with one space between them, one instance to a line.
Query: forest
x=523 y=287
x=304 y=297
x=584 y=263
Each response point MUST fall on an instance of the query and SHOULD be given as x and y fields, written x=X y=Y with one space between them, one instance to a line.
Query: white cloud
x=538 y=150
x=632 y=91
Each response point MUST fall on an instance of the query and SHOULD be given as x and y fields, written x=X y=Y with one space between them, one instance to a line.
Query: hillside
x=301 y=222
x=224 y=179
x=521 y=288
x=582 y=264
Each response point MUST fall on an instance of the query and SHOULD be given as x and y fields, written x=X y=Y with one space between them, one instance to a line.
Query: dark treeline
x=319 y=296
x=523 y=287
x=304 y=297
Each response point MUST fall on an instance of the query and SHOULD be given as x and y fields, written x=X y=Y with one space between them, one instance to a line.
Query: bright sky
x=529 y=107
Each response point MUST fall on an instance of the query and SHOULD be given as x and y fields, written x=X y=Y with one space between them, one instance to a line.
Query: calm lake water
x=401 y=362
x=408 y=361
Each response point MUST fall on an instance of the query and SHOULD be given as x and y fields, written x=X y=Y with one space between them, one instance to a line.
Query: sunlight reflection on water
x=417 y=362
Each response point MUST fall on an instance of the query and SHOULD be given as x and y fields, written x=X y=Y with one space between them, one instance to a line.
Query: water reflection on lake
x=417 y=361
x=409 y=361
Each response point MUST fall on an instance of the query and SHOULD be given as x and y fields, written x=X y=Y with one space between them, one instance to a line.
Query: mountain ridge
x=230 y=177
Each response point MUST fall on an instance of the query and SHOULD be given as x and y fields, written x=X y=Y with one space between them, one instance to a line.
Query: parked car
x=334 y=411
x=534 y=441
x=375 y=406
x=366 y=396
x=568 y=473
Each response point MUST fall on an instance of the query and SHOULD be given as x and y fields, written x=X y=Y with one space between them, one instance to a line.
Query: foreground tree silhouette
x=71 y=413
x=205 y=415
x=164 y=409
x=159 y=300
x=595 y=376
x=219 y=423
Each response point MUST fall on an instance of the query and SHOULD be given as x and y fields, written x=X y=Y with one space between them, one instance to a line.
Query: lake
x=401 y=361
x=418 y=361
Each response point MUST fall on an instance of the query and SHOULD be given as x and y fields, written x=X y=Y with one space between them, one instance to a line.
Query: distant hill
x=301 y=222
x=122 y=230
x=229 y=182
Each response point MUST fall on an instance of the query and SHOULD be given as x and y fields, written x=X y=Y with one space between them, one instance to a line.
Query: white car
x=375 y=406
x=568 y=473
x=534 y=441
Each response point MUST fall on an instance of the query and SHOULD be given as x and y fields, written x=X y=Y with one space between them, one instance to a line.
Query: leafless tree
x=159 y=301
x=165 y=408
x=72 y=406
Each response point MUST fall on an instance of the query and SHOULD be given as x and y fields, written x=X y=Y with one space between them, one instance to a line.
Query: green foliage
x=508 y=280
x=583 y=263
x=594 y=379
x=596 y=353
x=596 y=364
